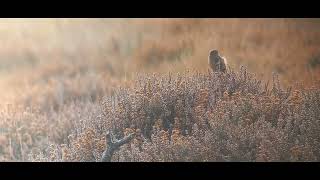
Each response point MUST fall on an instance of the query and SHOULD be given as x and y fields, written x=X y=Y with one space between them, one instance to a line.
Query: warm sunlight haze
x=159 y=90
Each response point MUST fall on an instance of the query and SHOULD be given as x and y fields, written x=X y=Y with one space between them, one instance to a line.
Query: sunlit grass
x=56 y=72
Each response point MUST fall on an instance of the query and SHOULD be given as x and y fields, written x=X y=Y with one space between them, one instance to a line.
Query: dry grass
x=56 y=73
x=289 y=47
x=201 y=117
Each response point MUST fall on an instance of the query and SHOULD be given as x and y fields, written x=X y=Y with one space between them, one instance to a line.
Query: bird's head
x=214 y=52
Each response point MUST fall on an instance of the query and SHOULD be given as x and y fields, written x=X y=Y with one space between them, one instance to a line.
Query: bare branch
x=113 y=144
x=124 y=140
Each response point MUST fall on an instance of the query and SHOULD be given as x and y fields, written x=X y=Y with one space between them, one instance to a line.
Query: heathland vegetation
x=65 y=83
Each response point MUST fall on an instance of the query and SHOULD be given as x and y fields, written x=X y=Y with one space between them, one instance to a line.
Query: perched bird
x=217 y=62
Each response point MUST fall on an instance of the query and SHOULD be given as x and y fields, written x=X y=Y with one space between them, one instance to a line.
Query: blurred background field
x=50 y=66
x=36 y=51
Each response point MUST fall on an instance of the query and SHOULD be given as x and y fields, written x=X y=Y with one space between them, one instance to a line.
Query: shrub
x=205 y=117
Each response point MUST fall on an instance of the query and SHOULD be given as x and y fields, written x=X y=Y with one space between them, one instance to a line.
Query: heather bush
x=203 y=117
x=55 y=73
x=27 y=132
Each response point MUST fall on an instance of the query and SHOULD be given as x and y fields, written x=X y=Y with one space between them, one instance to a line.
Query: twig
x=113 y=144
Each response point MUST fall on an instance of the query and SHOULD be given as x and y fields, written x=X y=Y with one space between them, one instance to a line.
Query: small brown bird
x=217 y=62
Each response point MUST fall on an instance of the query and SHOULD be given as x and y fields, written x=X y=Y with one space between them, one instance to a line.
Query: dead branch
x=113 y=144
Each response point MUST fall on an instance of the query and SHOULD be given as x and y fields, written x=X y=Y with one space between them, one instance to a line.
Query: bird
x=216 y=62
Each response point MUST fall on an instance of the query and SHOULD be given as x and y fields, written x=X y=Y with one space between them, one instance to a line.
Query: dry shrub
x=205 y=117
x=57 y=75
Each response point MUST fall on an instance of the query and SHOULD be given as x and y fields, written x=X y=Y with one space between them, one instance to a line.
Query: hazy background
x=54 y=65
x=34 y=51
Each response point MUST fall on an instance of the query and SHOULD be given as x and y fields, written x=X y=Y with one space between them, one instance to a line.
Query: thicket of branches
x=201 y=117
